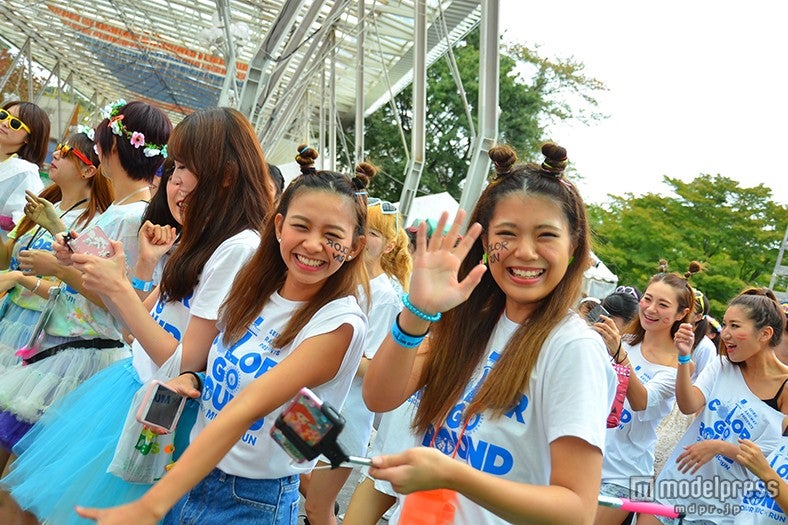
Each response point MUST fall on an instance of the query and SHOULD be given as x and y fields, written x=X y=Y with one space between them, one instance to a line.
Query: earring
x=484 y=258
x=349 y=257
x=278 y=239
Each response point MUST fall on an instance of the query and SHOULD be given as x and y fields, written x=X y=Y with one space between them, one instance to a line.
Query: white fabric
x=703 y=353
x=212 y=288
x=256 y=455
x=569 y=394
x=629 y=447
x=394 y=435
x=759 y=507
x=731 y=412
x=386 y=304
x=16 y=176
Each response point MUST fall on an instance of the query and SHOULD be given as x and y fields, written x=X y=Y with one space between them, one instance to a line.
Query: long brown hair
x=457 y=346
x=101 y=194
x=265 y=272
x=685 y=297
x=219 y=146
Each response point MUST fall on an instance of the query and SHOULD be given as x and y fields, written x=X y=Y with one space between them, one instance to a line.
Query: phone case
x=304 y=418
x=150 y=400
x=593 y=315
x=92 y=241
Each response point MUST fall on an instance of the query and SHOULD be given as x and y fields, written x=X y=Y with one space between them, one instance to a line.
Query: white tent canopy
x=598 y=280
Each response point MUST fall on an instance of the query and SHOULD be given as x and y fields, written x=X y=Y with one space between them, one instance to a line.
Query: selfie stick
x=642 y=507
x=328 y=445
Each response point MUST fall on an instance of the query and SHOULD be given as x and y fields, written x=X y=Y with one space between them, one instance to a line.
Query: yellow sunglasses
x=13 y=122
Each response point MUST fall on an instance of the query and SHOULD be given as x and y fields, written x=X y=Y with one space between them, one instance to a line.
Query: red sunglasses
x=65 y=149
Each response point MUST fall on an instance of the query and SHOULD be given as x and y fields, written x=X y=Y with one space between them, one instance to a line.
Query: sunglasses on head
x=627 y=290
x=386 y=207
x=13 y=122
x=65 y=149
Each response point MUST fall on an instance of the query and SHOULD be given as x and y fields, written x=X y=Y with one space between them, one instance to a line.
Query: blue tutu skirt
x=15 y=328
x=63 y=459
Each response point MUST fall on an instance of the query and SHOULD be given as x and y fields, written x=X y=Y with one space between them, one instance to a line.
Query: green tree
x=735 y=232
x=533 y=91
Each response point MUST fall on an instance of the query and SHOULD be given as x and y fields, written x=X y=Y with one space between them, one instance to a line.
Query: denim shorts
x=220 y=499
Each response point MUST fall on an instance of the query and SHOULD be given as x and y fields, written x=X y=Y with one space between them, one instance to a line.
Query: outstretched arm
x=265 y=394
x=571 y=496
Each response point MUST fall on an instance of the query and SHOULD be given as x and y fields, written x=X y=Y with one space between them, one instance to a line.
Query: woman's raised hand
x=155 y=241
x=434 y=283
x=43 y=213
x=684 y=339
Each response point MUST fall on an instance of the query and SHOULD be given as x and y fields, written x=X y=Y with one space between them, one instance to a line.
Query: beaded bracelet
x=419 y=313
x=139 y=284
x=403 y=338
x=684 y=359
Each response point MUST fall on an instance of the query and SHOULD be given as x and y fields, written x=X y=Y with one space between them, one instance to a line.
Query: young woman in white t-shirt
x=290 y=321
x=514 y=383
x=24 y=138
x=651 y=356
x=220 y=193
x=741 y=396
x=386 y=256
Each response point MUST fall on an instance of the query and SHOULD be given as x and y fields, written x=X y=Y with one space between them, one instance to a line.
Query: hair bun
x=663 y=266
x=694 y=267
x=503 y=157
x=555 y=158
x=306 y=158
x=363 y=175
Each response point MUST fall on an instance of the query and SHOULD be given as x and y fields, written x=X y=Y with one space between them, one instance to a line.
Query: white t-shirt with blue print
x=758 y=506
x=731 y=412
x=629 y=447
x=212 y=288
x=256 y=455
x=569 y=393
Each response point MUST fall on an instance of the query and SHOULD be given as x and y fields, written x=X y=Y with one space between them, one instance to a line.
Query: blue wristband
x=143 y=286
x=418 y=313
x=684 y=359
x=405 y=339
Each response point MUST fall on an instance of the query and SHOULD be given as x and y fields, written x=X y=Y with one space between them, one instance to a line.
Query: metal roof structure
x=296 y=60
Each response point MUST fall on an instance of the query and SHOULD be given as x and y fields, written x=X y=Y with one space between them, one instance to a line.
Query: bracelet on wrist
x=197 y=377
x=403 y=338
x=35 y=288
x=684 y=359
x=618 y=351
x=143 y=286
x=623 y=359
x=420 y=313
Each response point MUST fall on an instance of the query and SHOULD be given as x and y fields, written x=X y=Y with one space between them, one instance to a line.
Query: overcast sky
x=696 y=86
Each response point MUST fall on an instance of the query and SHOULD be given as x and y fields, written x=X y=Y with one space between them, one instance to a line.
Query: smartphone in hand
x=307 y=427
x=595 y=313
x=161 y=408
x=92 y=241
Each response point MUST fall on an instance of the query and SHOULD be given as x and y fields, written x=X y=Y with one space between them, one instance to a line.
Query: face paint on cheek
x=341 y=252
x=495 y=251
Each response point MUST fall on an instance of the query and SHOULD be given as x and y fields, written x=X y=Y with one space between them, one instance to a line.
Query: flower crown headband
x=136 y=138
x=90 y=132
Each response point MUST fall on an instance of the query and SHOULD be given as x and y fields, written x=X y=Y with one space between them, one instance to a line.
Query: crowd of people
x=465 y=362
